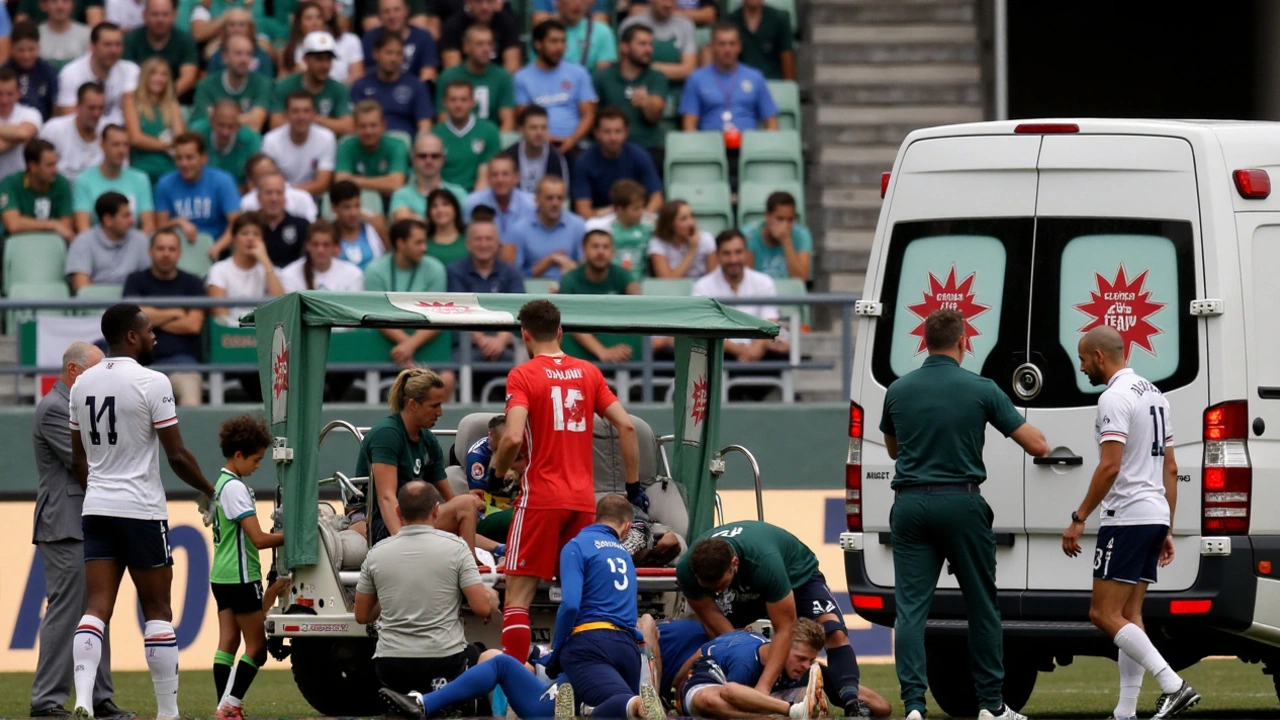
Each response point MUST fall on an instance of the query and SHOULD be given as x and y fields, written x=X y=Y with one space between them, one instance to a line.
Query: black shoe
x=53 y=712
x=401 y=704
x=107 y=709
x=857 y=709
x=1173 y=703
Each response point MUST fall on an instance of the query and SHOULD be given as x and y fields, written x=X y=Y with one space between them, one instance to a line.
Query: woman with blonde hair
x=348 y=56
x=153 y=119
x=678 y=249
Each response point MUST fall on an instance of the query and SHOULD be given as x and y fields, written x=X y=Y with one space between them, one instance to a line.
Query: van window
x=966 y=265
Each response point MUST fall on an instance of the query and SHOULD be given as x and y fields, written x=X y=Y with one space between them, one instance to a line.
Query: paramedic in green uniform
x=735 y=568
x=934 y=423
x=401 y=448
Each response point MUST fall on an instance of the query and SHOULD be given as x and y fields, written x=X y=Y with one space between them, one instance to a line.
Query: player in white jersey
x=1136 y=485
x=121 y=413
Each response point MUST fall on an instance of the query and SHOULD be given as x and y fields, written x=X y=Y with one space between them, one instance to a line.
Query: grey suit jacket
x=59 y=499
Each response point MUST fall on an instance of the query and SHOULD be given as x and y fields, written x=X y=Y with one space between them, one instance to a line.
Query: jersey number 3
x=569 y=409
x=96 y=415
x=619 y=566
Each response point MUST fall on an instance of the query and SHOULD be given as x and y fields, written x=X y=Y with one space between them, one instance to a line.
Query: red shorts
x=536 y=538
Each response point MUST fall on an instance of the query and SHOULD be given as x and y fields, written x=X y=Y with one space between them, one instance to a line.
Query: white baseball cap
x=319 y=41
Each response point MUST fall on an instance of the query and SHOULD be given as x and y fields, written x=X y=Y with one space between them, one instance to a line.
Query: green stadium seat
x=711 y=204
x=101 y=291
x=771 y=157
x=670 y=287
x=540 y=286
x=41 y=258
x=752 y=197
x=793 y=287
x=703 y=35
x=786 y=94
x=195 y=256
x=33 y=291
x=787 y=6
x=507 y=138
x=695 y=157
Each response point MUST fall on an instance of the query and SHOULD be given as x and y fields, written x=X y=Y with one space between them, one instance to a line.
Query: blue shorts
x=814 y=599
x=601 y=664
x=705 y=673
x=1128 y=553
x=127 y=541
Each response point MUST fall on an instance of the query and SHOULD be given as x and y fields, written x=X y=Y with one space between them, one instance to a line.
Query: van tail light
x=1227 y=475
x=853 y=471
x=1190 y=607
x=1046 y=128
x=884 y=184
x=1251 y=184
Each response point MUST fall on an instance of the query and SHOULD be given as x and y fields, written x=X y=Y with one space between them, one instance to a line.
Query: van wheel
x=336 y=676
x=951 y=681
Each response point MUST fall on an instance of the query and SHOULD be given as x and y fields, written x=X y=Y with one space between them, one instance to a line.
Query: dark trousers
x=64 y=585
x=604 y=668
x=952 y=525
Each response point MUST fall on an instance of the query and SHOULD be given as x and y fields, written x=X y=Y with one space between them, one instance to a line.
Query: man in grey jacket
x=58 y=535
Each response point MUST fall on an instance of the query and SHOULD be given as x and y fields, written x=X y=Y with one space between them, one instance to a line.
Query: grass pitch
x=1086 y=689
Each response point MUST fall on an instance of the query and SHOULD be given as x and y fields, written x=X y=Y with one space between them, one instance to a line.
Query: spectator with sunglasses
x=410 y=201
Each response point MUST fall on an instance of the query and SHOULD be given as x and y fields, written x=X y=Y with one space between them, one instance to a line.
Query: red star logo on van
x=443 y=307
x=1126 y=306
x=280 y=373
x=699 y=410
x=948 y=295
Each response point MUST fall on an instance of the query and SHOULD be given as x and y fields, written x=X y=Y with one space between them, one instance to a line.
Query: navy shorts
x=601 y=664
x=705 y=673
x=239 y=598
x=814 y=599
x=1128 y=553
x=130 y=542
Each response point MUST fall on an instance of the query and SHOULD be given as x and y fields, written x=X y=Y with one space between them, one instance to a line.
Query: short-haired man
x=599 y=275
x=589 y=42
x=408 y=268
x=110 y=252
x=534 y=155
x=304 y=149
x=779 y=246
x=230 y=143
x=611 y=159
x=420 y=55
x=733 y=278
x=75 y=137
x=296 y=202
x=38 y=200
x=700 y=12
x=370 y=159
x=37 y=78
x=563 y=89
x=674 y=38
x=286 y=233
x=768 y=40
x=158 y=36
x=495 y=95
x=62 y=39
x=18 y=124
x=178 y=330
x=410 y=201
x=482 y=271
x=330 y=97
x=404 y=99
x=103 y=65
x=112 y=175
x=413 y=584
x=469 y=142
x=633 y=87
x=727 y=93
x=504 y=45
x=511 y=206
x=199 y=198
x=250 y=90
x=551 y=244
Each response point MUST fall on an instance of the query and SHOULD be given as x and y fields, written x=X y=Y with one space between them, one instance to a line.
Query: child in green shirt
x=631 y=227
x=237 y=573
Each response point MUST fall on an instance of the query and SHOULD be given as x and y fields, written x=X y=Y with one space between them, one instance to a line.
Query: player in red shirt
x=552 y=401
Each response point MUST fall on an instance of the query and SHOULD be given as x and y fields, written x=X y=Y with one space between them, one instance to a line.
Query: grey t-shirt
x=64 y=46
x=105 y=260
x=418 y=575
x=677 y=29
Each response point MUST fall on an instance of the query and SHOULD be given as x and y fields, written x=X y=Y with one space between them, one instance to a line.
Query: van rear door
x=959 y=235
x=1117 y=238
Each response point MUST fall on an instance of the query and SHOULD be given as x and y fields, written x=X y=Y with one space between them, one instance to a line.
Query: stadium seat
x=403 y=137
x=752 y=197
x=703 y=36
x=711 y=204
x=34 y=258
x=195 y=257
x=771 y=157
x=507 y=138
x=33 y=291
x=786 y=94
x=671 y=287
x=540 y=286
x=370 y=202
x=694 y=157
x=101 y=291
x=793 y=287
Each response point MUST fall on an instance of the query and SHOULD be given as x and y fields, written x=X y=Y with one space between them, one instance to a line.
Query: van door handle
x=1058 y=460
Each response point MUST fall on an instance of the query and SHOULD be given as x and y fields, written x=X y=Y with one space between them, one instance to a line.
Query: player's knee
x=257 y=655
x=834 y=630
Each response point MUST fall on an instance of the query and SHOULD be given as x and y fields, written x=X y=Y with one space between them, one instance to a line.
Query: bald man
x=1136 y=485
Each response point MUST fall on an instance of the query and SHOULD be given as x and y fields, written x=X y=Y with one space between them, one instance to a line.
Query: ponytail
x=412 y=384
x=319 y=227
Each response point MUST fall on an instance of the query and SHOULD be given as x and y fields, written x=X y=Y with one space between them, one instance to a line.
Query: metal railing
x=623 y=375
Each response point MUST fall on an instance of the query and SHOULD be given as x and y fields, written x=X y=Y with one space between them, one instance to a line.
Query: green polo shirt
x=771 y=562
x=762 y=49
x=388 y=443
x=232 y=159
x=179 y=51
x=409 y=197
x=576 y=282
x=383 y=275
x=53 y=204
x=467 y=149
x=615 y=90
x=631 y=247
x=332 y=101
x=390 y=156
x=255 y=93
x=939 y=414
x=494 y=89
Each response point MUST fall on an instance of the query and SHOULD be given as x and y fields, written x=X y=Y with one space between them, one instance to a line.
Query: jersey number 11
x=95 y=416
x=1157 y=427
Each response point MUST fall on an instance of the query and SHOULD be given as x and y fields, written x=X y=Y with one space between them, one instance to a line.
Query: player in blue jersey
x=497 y=493
x=719 y=682
x=673 y=644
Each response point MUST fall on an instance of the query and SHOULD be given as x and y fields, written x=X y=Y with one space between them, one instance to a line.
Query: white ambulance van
x=1037 y=231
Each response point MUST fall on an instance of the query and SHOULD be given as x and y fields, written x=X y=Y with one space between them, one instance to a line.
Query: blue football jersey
x=678 y=640
x=597 y=581
x=738 y=654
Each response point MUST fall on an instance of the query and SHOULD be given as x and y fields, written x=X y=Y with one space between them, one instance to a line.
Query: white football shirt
x=1134 y=412
x=121 y=80
x=75 y=154
x=341 y=276
x=117 y=406
x=11 y=160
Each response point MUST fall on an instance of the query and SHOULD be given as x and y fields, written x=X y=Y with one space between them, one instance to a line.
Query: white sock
x=231 y=682
x=646 y=671
x=86 y=652
x=162 y=658
x=1130 y=686
x=1135 y=643
x=799 y=711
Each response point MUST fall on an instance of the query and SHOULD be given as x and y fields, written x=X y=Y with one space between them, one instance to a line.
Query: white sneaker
x=915 y=715
x=1006 y=713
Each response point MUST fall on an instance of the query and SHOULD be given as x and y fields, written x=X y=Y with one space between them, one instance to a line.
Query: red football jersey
x=563 y=395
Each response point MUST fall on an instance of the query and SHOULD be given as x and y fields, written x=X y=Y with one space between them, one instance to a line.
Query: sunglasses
x=428 y=156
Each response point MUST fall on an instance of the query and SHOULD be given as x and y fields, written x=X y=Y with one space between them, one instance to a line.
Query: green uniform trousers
x=496 y=525
x=930 y=525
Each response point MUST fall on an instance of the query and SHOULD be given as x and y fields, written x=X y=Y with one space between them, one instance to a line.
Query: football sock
x=515 y=633
x=844 y=665
x=246 y=671
x=1130 y=686
x=222 y=662
x=1134 y=642
x=86 y=652
x=526 y=694
x=614 y=707
x=162 y=659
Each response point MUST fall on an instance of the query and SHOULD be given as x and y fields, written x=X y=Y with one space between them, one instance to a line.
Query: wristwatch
x=1076 y=518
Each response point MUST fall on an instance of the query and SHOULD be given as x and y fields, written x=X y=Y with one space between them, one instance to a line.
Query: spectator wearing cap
x=611 y=159
x=199 y=198
x=778 y=246
x=230 y=143
x=727 y=94
x=37 y=78
x=768 y=43
x=113 y=175
x=330 y=97
x=469 y=142
x=18 y=124
x=75 y=137
x=637 y=90
x=348 y=56
x=61 y=38
x=494 y=91
x=405 y=101
x=511 y=206
x=296 y=202
x=369 y=159
x=534 y=155
x=38 y=200
x=563 y=89
x=733 y=278
x=420 y=54
x=410 y=201
x=551 y=244
x=103 y=65
x=675 y=38
x=504 y=42
x=250 y=90
x=158 y=37
x=599 y=275
x=110 y=252
x=304 y=149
